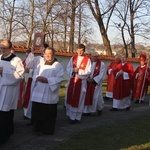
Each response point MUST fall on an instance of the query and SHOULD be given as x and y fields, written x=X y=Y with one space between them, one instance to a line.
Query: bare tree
x=7 y=15
x=134 y=21
x=122 y=14
x=59 y=20
x=96 y=9
x=72 y=24
x=63 y=20
x=26 y=20
x=83 y=27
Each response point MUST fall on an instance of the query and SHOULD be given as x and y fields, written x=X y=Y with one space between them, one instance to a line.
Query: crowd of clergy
x=34 y=85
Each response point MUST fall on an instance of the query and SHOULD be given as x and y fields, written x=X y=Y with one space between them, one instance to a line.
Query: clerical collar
x=7 y=56
x=50 y=62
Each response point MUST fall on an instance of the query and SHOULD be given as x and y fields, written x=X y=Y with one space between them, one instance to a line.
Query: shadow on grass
x=128 y=135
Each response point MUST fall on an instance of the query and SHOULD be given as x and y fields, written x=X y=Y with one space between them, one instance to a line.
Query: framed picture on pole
x=39 y=39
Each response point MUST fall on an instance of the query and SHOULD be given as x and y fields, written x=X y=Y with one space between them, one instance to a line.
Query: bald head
x=5 y=47
x=117 y=58
x=6 y=43
x=94 y=56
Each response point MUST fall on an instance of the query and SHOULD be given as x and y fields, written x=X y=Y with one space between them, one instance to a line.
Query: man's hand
x=27 y=70
x=42 y=79
x=1 y=71
x=121 y=72
x=75 y=70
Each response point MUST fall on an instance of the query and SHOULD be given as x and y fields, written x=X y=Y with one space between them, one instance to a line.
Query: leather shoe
x=72 y=121
x=128 y=108
x=86 y=114
x=113 y=109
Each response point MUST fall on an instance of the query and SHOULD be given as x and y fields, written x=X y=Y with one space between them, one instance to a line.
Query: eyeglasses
x=3 y=48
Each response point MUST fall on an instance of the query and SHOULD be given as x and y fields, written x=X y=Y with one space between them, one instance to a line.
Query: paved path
x=25 y=139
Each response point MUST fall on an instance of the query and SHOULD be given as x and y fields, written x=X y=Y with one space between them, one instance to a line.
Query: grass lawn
x=128 y=135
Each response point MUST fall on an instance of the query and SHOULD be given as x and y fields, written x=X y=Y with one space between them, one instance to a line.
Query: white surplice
x=47 y=93
x=9 y=83
x=34 y=64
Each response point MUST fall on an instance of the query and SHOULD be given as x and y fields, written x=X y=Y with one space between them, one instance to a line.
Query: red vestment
x=20 y=101
x=110 y=77
x=140 y=82
x=26 y=96
x=122 y=88
x=91 y=86
x=74 y=89
x=27 y=93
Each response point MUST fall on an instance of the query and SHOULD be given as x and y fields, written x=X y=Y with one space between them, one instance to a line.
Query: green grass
x=62 y=93
x=128 y=135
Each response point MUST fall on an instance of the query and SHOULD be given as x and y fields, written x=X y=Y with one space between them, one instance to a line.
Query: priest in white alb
x=11 y=74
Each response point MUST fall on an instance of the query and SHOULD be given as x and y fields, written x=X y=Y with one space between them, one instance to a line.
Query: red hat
x=143 y=57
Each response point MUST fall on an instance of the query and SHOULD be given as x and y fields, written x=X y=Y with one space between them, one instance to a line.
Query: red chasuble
x=122 y=88
x=110 y=77
x=74 y=89
x=20 y=101
x=140 y=84
x=91 y=86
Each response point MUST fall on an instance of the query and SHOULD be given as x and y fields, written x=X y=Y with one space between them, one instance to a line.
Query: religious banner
x=39 y=39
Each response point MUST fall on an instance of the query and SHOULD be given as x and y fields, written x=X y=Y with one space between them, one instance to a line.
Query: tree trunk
x=132 y=30
x=72 y=26
x=99 y=18
x=124 y=41
x=11 y=20
x=80 y=21
x=105 y=39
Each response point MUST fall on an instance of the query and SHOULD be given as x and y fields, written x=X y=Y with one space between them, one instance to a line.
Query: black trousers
x=44 y=117
x=6 y=125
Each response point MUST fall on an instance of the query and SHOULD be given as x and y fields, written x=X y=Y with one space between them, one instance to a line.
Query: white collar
x=7 y=55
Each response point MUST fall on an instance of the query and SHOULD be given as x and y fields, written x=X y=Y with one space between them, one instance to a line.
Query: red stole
x=27 y=93
x=74 y=89
x=91 y=86
x=20 y=101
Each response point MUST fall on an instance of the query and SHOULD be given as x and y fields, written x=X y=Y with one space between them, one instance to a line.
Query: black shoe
x=113 y=109
x=77 y=121
x=86 y=114
x=26 y=118
x=72 y=121
x=136 y=102
x=128 y=108
x=99 y=112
